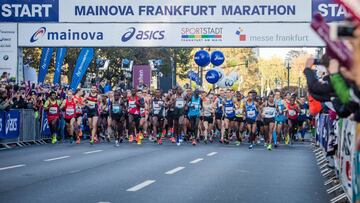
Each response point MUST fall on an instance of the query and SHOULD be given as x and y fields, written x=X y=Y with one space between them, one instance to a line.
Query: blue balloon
x=212 y=76
x=202 y=58
x=217 y=58
x=193 y=76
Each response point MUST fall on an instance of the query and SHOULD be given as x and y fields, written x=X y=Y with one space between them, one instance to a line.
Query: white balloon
x=226 y=82
x=234 y=75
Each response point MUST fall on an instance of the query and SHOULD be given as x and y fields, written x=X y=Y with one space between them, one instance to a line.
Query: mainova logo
x=143 y=34
x=38 y=34
x=67 y=35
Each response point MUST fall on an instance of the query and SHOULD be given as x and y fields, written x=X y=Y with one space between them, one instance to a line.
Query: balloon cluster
x=215 y=75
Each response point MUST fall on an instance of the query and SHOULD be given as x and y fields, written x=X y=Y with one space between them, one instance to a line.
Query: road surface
x=168 y=173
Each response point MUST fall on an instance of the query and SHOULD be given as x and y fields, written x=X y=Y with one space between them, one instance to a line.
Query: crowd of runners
x=179 y=115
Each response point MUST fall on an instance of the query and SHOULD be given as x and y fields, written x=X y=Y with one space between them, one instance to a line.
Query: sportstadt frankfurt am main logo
x=240 y=33
x=38 y=34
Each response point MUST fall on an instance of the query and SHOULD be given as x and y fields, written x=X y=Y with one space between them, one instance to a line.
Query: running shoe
x=237 y=143
x=194 y=142
x=251 y=146
x=117 y=143
x=139 y=141
x=205 y=141
x=159 y=141
x=92 y=141
x=287 y=139
x=210 y=140
x=96 y=140
x=276 y=146
x=269 y=147
x=172 y=139
x=221 y=141
x=78 y=140
x=131 y=138
x=54 y=140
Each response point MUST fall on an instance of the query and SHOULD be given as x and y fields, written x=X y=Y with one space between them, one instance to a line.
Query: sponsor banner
x=141 y=75
x=185 y=11
x=356 y=167
x=45 y=128
x=10 y=124
x=8 y=48
x=330 y=10
x=46 y=54
x=29 y=11
x=347 y=150
x=169 y=35
x=60 y=56
x=82 y=63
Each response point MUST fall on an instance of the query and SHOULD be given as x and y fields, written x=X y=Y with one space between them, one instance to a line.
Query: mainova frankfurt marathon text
x=183 y=10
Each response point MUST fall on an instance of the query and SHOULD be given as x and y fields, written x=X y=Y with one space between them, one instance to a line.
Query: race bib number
x=229 y=110
x=270 y=112
x=179 y=104
x=292 y=113
x=78 y=110
x=251 y=113
x=70 y=111
x=303 y=111
x=116 y=109
x=195 y=105
x=239 y=111
x=207 y=113
x=92 y=105
x=132 y=104
x=53 y=110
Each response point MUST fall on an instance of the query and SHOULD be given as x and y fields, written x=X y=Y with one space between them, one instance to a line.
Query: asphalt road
x=168 y=173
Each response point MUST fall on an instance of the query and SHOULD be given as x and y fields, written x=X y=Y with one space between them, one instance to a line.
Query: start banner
x=168 y=35
x=184 y=11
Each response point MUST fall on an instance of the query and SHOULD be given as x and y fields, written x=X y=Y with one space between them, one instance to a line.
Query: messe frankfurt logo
x=38 y=34
x=240 y=33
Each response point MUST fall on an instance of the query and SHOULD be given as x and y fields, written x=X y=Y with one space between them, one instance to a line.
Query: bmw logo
x=38 y=34
x=128 y=35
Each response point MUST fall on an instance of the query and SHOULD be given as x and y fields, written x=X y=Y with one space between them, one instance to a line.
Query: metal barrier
x=28 y=130
x=335 y=152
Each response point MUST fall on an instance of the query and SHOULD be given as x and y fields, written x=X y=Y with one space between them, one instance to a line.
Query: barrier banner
x=60 y=56
x=82 y=63
x=346 y=154
x=45 y=129
x=2 y=124
x=356 y=168
x=10 y=124
x=46 y=55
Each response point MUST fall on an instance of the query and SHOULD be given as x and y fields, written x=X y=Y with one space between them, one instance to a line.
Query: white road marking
x=92 y=152
x=175 y=170
x=141 y=185
x=57 y=158
x=211 y=154
x=11 y=167
x=196 y=160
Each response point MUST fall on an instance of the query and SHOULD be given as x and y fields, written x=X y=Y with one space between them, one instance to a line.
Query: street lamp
x=288 y=67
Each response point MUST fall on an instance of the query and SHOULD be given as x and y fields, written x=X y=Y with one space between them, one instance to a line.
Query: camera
x=342 y=30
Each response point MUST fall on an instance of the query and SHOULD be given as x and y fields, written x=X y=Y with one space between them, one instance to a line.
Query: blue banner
x=82 y=63
x=60 y=55
x=330 y=10
x=10 y=124
x=46 y=55
x=29 y=11
x=45 y=129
